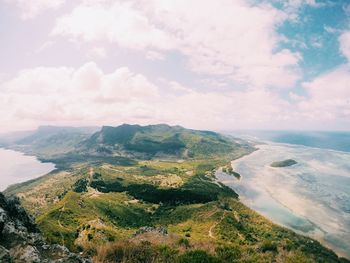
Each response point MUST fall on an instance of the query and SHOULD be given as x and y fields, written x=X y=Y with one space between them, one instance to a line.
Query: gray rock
x=4 y=255
x=3 y=219
x=21 y=241
x=28 y=254
x=147 y=229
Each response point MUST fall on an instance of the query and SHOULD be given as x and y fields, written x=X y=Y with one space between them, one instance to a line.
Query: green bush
x=167 y=254
x=297 y=256
x=80 y=186
x=268 y=245
x=184 y=242
x=228 y=253
x=144 y=252
x=197 y=256
x=197 y=190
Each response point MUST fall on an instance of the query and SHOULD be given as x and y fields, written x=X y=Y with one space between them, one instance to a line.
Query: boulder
x=21 y=240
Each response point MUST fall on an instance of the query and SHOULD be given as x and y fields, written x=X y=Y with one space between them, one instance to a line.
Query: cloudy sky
x=223 y=64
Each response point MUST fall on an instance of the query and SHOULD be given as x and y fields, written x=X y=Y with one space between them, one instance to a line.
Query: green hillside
x=151 y=196
x=148 y=141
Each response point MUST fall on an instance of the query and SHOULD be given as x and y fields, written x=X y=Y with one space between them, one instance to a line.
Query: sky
x=220 y=65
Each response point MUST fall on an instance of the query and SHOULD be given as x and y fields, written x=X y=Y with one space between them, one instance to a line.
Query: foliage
x=154 y=139
x=80 y=185
x=130 y=176
x=184 y=242
x=285 y=163
x=197 y=256
x=268 y=245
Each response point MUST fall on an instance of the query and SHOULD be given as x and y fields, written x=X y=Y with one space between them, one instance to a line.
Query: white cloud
x=87 y=95
x=329 y=96
x=240 y=43
x=153 y=55
x=31 y=8
x=96 y=53
x=46 y=45
x=118 y=22
x=327 y=99
x=346 y=8
x=344 y=42
x=293 y=7
x=316 y=41
x=65 y=95
x=330 y=29
x=253 y=108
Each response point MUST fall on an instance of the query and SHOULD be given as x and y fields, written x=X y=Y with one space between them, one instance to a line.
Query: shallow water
x=311 y=197
x=17 y=167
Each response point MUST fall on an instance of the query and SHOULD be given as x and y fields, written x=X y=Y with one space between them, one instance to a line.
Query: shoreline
x=37 y=168
x=318 y=233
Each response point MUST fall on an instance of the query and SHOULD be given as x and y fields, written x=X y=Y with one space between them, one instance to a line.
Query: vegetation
x=80 y=185
x=156 y=140
x=157 y=177
x=229 y=170
x=285 y=163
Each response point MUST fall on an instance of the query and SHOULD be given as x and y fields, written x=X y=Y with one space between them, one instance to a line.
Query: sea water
x=311 y=197
x=17 y=167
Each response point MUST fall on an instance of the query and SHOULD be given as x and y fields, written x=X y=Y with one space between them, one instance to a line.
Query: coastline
x=297 y=205
x=22 y=168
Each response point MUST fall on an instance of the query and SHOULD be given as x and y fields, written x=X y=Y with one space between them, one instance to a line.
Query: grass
x=99 y=213
x=237 y=232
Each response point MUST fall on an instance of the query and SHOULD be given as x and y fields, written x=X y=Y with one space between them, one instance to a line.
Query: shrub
x=90 y=236
x=184 y=242
x=228 y=253
x=197 y=256
x=268 y=245
x=144 y=252
x=167 y=254
x=297 y=256
x=96 y=176
x=80 y=186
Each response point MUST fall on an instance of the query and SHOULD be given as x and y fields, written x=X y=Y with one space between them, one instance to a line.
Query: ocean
x=17 y=167
x=311 y=197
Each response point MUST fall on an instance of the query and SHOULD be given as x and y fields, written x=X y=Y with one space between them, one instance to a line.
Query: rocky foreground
x=21 y=241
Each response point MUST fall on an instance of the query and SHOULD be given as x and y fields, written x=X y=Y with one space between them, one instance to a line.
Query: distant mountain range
x=64 y=144
x=47 y=141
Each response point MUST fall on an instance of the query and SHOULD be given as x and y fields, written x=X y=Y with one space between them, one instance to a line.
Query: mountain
x=11 y=138
x=48 y=141
x=21 y=240
x=46 y=132
x=149 y=194
x=158 y=139
x=67 y=146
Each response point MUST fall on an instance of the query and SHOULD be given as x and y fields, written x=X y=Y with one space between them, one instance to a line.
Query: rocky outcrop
x=21 y=241
x=149 y=229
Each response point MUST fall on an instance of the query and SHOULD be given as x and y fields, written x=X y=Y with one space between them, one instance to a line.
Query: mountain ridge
x=153 y=139
x=134 y=190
